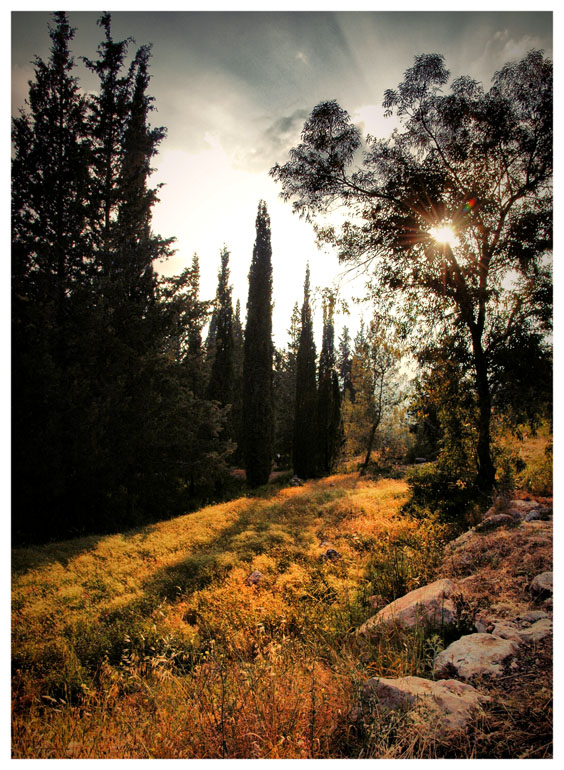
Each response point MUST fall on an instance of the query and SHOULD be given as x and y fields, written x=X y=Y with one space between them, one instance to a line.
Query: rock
x=539 y=514
x=255 y=578
x=420 y=460
x=462 y=539
x=539 y=630
x=376 y=601
x=295 y=481
x=531 y=616
x=452 y=703
x=428 y=605
x=541 y=586
x=523 y=506
x=475 y=655
x=331 y=555
x=494 y=521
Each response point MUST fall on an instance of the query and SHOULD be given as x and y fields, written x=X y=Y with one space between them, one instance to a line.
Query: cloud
x=273 y=144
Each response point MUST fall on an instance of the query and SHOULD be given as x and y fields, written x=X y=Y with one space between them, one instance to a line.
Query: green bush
x=434 y=490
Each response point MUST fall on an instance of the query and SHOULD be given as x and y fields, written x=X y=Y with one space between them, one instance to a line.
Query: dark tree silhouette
x=258 y=412
x=305 y=420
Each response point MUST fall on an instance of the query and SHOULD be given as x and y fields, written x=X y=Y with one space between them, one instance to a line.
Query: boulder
x=450 y=702
x=295 y=481
x=429 y=605
x=494 y=521
x=541 y=586
x=475 y=655
x=539 y=514
x=255 y=578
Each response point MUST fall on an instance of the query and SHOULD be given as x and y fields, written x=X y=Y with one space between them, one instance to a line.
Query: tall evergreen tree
x=237 y=405
x=305 y=433
x=258 y=414
x=220 y=385
x=50 y=275
x=285 y=390
x=329 y=423
x=344 y=364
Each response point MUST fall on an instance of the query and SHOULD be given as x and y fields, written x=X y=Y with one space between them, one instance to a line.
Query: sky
x=233 y=90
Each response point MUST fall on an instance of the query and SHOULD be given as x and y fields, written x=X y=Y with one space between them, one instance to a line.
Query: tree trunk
x=486 y=469
x=369 y=449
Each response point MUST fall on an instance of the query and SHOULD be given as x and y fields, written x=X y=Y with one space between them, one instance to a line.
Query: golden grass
x=150 y=642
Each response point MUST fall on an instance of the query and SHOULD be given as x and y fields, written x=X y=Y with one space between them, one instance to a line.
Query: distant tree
x=374 y=366
x=344 y=364
x=258 y=410
x=305 y=427
x=220 y=385
x=285 y=389
x=329 y=422
x=237 y=405
x=455 y=203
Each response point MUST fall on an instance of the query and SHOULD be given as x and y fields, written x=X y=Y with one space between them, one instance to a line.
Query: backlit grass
x=151 y=644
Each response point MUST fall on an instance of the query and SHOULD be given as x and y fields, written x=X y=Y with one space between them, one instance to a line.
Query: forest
x=148 y=419
x=134 y=396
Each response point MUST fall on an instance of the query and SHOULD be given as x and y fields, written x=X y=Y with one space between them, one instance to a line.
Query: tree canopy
x=452 y=215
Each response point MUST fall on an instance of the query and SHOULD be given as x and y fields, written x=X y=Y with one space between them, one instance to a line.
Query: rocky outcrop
x=475 y=655
x=451 y=703
x=430 y=605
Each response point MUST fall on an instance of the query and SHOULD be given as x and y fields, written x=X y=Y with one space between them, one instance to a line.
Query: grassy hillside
x=151 y=644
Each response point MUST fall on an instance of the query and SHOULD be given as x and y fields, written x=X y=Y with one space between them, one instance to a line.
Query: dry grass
x=151 y=644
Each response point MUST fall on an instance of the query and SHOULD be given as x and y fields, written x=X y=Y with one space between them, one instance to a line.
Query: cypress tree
x=285 y=390
x=305 y=433
x=220 y=385
x=258 y=411
x=330 y=431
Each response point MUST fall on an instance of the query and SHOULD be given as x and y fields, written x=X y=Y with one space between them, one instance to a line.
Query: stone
x=539 y=630
x=531 y=616
x=331 y=555
x=428 y=605
x=255 y=578
x=539 y=514
x=541 y=586
x=494 y=521
x=451 y=703
x=295 y=481
x=475 y=655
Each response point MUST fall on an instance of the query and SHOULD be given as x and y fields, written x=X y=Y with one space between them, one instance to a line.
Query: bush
x=434 y=490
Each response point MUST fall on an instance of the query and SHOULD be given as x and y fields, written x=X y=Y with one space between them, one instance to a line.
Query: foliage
x=477 y=162
x=258 y=414
x=329 y=420
x=110 y=428
x=304 y=455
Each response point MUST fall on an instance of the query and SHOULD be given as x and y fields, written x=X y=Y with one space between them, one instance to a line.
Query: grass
x=151 y=644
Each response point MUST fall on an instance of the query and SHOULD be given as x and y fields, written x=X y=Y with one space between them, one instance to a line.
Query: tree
x=373 y=379
x=284 y=387
x=305 y=429
x=220 y=382
x=344 y=364
x=329 y=423
x=258 y=410
x=449 y=209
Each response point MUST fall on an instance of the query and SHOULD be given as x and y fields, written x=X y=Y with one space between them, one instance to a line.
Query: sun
x=444 y=233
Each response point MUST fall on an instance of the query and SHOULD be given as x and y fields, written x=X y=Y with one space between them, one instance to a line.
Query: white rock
x=541 y=585
x=428 y=605
x=475 y=655
x=452 y=703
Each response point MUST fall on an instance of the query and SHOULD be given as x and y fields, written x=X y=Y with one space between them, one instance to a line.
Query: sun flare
x=444 y=234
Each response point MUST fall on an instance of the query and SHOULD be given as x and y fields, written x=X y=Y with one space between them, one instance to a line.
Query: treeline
x=122 y=411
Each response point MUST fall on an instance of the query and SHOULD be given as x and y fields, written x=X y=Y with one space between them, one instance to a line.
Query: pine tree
x=329 y=424
x=50 y=283
x=305 y=432
x=258 y=414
